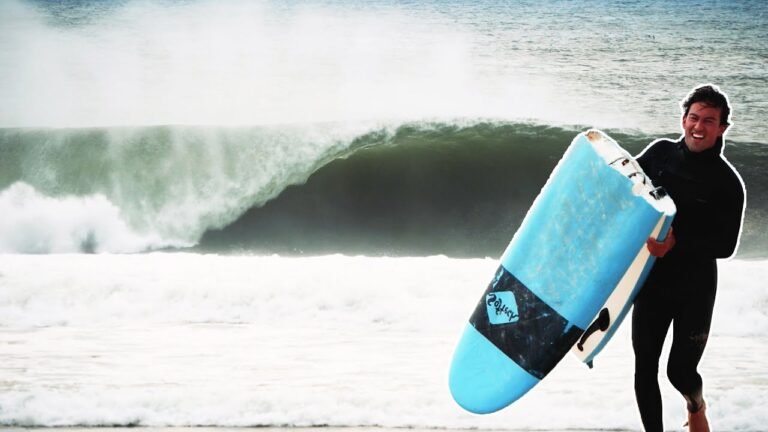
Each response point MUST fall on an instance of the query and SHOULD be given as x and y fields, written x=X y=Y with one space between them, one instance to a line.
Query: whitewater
x=173 y=339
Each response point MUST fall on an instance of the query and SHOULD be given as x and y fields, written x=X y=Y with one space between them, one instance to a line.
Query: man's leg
x=691 y=326
x=650 y=322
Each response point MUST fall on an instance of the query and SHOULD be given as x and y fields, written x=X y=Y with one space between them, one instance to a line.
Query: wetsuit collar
x=713 y=152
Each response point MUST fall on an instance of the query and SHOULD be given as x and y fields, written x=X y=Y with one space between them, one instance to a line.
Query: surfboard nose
x=482 y=379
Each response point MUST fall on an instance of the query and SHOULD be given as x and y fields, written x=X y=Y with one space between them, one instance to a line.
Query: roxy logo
x=502 y=307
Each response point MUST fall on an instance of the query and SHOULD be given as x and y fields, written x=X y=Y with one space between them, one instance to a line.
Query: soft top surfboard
x=581 y=234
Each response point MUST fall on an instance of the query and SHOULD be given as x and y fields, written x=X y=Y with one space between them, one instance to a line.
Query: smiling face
x=702 y=127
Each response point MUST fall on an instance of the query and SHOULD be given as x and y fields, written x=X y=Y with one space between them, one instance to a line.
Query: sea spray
x=165 y=186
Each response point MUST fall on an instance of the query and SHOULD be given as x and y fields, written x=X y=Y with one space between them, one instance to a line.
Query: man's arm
x=729 y=218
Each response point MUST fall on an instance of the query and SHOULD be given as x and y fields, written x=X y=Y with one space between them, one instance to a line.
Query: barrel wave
x=458 y=188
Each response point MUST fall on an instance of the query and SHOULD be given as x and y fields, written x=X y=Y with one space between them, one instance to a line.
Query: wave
x=458 y=188
x=168 y=184
x=439 y=189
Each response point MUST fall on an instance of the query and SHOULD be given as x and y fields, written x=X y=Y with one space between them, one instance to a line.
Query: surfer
x=710 y=197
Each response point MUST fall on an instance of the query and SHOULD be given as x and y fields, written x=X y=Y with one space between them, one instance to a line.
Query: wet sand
x=268 y=429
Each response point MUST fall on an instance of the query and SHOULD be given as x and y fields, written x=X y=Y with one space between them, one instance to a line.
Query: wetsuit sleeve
x=713 y=230
x=729 y=218
x=646 y=158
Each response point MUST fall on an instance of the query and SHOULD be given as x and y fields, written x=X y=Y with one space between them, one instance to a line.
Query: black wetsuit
x=709 y=197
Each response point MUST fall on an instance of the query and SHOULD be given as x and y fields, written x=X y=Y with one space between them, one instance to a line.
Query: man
x=710 y=199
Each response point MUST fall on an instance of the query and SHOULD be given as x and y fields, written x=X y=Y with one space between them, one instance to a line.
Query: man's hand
x=660 y=248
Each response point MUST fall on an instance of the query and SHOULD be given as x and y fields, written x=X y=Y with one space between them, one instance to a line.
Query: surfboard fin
x=602 y=323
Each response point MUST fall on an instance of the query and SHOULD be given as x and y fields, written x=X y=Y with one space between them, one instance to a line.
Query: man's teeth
x=697 y=136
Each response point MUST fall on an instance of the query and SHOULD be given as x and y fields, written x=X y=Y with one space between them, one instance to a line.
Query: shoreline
x=281 y=429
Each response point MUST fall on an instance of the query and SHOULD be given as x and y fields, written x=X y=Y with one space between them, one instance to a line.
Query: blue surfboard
x=575 y=245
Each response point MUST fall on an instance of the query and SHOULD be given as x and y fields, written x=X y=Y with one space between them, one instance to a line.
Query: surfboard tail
x=482 y=379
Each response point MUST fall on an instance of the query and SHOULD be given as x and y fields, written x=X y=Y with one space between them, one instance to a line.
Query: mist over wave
x=142 y=63
x=236 y=63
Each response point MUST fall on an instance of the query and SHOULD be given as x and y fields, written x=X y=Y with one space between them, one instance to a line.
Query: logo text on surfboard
x=502 y=307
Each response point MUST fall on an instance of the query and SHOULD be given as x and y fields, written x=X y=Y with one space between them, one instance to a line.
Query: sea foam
x=184 y=339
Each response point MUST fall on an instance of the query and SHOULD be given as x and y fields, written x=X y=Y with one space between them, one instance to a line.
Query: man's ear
x=722 y=128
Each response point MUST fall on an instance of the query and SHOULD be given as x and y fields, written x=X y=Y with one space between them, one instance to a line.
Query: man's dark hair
x=710 y=96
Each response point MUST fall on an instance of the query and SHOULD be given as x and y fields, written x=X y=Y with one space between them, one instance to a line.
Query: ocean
x=281 y=213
